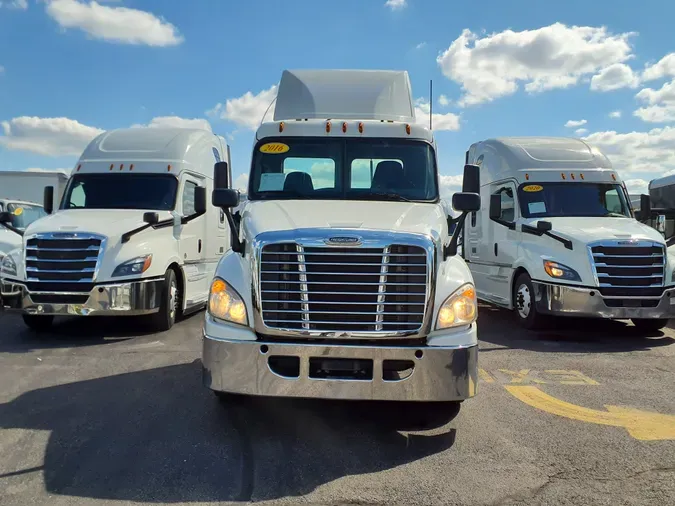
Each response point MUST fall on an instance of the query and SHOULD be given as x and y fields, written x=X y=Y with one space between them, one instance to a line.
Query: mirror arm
x=160 y=224
x=451 y=248
x=535 y=231
x=238 y=246
x=12 y=229
x=188 y=219
x=508 y=224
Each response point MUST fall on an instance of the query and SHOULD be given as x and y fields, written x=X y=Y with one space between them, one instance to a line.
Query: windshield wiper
x=387 y=196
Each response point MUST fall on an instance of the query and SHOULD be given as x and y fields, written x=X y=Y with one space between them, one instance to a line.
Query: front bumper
x=253 y=368
x=588 y=302
x=128 y=298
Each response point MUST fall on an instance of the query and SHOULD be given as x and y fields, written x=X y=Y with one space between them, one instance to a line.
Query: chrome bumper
x=130 y=298
x=587 y=302
x=252 y=368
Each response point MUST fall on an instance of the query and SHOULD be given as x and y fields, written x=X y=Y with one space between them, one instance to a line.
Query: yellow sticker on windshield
x=18 y=211
x=533 y=188
x=274 y=148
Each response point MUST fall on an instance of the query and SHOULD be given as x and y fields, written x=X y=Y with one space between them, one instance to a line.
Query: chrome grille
x=334 y=289
x=636 y=269
x=62 y=262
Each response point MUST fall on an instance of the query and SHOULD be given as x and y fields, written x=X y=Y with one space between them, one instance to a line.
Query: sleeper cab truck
x=556 y=235
x=132 y=234
x=342 y=281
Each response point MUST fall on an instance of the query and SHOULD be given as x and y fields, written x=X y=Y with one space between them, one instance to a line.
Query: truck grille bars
x=63 y=266
x=361 y=290
x=636 y=269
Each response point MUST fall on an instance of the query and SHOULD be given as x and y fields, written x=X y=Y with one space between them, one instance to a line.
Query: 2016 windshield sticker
x=274 y=148
x=533 y=188
x=18 y=211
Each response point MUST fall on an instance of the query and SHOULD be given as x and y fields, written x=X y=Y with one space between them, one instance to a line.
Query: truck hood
x=261 y=216
x=586 y=230
x=111 y=223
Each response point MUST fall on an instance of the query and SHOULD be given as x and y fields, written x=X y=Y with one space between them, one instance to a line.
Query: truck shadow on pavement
x=159 y=436
x=570 y=335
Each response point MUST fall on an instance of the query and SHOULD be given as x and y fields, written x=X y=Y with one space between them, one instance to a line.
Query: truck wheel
x=524 y=304
x=164 y=319
x=38 y=323
x=650 y=324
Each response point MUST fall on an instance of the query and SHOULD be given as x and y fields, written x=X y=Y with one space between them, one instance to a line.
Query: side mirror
x=221 y=175
x=225 y=198
x=200 y=200
x=544 y=226
x=48 y=202
x=645 y=206
x=495 y=207
x=151 y=218
x=6 y=217
x=661 y=223
x=471 y=179
x=466 y=202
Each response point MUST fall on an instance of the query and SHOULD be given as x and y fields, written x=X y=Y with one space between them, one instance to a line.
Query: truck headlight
x=136 y=265
x=560 y=271
x=226 y=304
x=8 y=266
x=460 y=308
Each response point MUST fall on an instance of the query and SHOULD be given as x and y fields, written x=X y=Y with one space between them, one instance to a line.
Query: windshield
x=542 y=200
x=121 y=191
x=24 y=214
x=346 y=169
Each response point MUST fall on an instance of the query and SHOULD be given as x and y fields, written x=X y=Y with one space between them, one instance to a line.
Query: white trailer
x=556 y=235
x=132 y=234
x=29 y=185
x=343 y=282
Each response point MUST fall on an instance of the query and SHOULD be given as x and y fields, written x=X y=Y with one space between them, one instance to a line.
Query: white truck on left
x=132 y=234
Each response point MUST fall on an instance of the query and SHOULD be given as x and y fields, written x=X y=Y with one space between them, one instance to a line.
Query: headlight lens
x=136 y=265
x=226 y=304
x=461 y=308
x=560 y=271
x=8 y=266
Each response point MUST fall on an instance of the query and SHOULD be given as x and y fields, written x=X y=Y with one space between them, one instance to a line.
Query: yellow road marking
x=571 y=377
x=483 y=375
x=642 y=425
x=522 y=376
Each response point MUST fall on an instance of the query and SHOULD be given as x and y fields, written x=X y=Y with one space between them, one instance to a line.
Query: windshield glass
x=346 y=169
x=24 y=214
x=121 y=191
x=573 y=199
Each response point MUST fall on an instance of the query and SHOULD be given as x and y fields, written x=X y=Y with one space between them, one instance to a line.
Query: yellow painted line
x=522 y=376
x=642 y=425
x=483 y=375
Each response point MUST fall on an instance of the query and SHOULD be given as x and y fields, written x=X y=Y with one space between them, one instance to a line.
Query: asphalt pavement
x=100 y=412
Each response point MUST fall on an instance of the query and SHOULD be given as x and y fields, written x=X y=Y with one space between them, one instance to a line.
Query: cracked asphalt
x=100 y=412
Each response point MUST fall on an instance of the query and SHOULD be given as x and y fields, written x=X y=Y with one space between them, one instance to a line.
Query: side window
x=189 y=198
x=508 y=204
x=613 y=201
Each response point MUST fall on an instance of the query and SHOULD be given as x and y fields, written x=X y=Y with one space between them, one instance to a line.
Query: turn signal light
x=407 y=129
x=327 y=127
x=360 y=128
x=281 y=126
x=344 y=127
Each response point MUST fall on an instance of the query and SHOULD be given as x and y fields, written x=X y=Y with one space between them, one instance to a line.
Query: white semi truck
x=343 y=281
x=556 y=235
x=132 y=235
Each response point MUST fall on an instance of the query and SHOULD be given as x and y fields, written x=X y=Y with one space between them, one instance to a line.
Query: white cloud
x=447 y=121
x=396 y=4
x=177 y=122
x=15 y=4
x=444 y=101
x=420 y=45
x=637 y=186
x=573 y=123
x=638 y=152
x=614 y=77
x=114 y=24
x=248 y=110
x=241 y=182
x=663 y=68
x=660 y=104
x=615 y=114
x=47 y=136
x=555 y=56
x=2 y=69
x=580 y=131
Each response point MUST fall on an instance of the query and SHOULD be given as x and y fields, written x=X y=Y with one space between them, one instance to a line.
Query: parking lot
x=100 y=413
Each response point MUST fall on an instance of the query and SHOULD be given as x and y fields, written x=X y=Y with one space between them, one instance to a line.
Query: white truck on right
x=556 y=235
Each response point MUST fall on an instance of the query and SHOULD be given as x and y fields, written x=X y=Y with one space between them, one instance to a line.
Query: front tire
x=165 y=318
x=650 y=324
x=524 y=304
x=38 y=323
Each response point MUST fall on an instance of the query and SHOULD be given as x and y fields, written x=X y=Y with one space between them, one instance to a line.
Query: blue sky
x=72 y=68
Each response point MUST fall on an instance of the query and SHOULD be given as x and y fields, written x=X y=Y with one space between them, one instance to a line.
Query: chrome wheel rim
x=173 y=299
x=523 y=301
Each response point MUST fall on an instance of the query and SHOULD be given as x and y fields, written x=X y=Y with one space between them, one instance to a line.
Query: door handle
x=199 y=247
x=496 y=249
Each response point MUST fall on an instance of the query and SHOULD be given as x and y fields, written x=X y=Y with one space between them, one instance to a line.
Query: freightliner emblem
x=343 y=240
